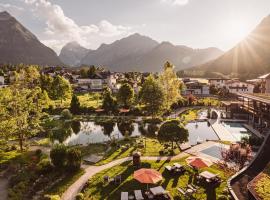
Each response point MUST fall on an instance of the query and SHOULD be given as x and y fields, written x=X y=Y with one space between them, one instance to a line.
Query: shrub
x=58 y=155
x=66 y=114
x=18 y=191
x=52 y=197
x=222 y=197
x=38 y=153
x=44 y=166
x=74 y=159
x=156 y=120
x=79 y=196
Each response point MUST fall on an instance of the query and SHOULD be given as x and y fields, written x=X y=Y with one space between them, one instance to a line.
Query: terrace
x=172 y=183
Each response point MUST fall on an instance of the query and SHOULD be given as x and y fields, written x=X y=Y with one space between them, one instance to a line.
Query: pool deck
x=221 y=131
x=197 y=150
x=251 y=129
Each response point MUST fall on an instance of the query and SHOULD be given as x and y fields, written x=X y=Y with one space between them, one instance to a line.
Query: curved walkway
x=3 y=188
x=90 y=171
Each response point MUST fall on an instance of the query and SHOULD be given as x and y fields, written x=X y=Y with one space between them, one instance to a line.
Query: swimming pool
x=214 y=151
x=200 y=132
x=237 y=130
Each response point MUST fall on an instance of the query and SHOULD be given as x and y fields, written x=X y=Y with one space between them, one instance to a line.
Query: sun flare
x=236 y=30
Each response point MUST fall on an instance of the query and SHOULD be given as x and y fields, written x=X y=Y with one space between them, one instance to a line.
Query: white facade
x=196 y=88
x=267 y=85
x=218 y=82
x=2 y=80
x=93 y=84
x=96 y=84
x=239 y=87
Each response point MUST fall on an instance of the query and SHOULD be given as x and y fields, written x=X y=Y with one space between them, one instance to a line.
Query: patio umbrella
x=198 y=162
x=148 y=176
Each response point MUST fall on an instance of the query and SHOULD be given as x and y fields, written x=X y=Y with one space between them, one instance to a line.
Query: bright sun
x=236 y=30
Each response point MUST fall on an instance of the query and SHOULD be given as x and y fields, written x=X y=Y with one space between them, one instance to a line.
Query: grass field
x=98 y=190
x=152 y=148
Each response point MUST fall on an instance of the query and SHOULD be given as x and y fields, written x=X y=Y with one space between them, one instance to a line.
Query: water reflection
x=62 y=132
x=126 y=127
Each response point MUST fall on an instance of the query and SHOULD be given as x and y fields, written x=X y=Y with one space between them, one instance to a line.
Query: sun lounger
x=124 y=195
x=181 y=191
x=194 y=188
x=169 y=168
x=138 y=195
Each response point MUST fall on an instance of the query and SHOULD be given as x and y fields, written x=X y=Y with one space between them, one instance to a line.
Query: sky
x=194 y=23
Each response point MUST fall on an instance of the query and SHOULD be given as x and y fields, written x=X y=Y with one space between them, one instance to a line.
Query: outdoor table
x=177 y=165
x=150 y=196
x=157 y=190
x=131 y=197
x=190 y=191
x=207 y=175
x=169 y=168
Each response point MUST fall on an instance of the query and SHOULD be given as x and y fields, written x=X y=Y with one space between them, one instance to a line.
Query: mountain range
x=248 y=59
x=72 y=53
x=19 y=45
x=139 y=53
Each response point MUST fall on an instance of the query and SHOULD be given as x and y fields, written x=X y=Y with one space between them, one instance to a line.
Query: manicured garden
x=97 y=189
x=262 y=185
x=125 y=148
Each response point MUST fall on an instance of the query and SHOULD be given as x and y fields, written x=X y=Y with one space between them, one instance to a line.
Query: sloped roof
x=265 y=76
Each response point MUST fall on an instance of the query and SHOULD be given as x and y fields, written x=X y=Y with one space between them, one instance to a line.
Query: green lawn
x=98 y=190
x=90 y=100
x=152 y=148
x=86 y=100
x=210 y=101
x=189 y=115
x=6 y=157
x=262 y=187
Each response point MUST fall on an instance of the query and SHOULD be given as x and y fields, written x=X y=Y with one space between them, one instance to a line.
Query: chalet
x=195 y=88
x=218 y=82
x=2 y=80
x=236 y=86
x=265 y=83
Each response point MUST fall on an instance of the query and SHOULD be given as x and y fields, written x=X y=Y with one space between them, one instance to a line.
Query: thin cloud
x=61 y=29
x=10 y=8
x=176 y=2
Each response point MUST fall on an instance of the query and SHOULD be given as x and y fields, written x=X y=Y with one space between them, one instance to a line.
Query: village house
x=195 y=87
x=218 y=82
x=265 y=83
x=236 y=86
x=2 y=80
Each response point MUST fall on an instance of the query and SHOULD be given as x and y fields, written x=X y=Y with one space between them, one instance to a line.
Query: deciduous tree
x=125 y=95
x=172 y=131
x=152 y=96
x=75 y=106
x=109 y=103
x=171 y=85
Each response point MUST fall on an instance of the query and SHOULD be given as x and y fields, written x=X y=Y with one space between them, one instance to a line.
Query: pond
x=90 y=132
x=83 y=133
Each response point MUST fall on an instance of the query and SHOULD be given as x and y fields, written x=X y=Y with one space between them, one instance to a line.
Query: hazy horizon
x=193 y=23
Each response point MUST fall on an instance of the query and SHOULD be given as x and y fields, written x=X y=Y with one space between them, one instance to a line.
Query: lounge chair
x=118 y=179
x=138 y=195
x=106 y=179
x=192 y=187
x=124 y=195
x=181 y=191
x=169 y=168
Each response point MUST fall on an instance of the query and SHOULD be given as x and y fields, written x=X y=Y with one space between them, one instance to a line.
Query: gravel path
x=90 y=171
x=3 y=188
